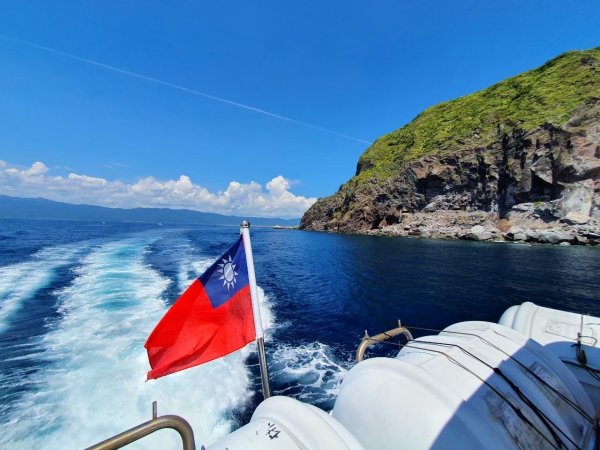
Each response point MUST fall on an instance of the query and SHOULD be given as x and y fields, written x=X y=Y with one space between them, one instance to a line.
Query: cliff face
x=525 y=149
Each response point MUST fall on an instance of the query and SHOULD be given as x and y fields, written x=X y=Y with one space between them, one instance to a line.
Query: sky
x=241 y=107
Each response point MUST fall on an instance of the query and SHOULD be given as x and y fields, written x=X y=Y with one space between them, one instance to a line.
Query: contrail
x=181 y=88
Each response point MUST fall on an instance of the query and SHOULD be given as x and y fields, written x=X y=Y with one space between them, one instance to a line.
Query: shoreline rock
x=485 y=227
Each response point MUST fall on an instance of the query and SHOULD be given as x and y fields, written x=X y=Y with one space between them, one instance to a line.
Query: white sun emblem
x=228 y=273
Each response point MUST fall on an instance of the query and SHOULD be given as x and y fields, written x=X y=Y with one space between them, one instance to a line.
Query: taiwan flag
x=212 y=318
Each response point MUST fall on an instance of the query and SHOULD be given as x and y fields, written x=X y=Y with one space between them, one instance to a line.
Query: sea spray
x=308 y=372
x=21 y=281
x=90 y=384
x=94 y=386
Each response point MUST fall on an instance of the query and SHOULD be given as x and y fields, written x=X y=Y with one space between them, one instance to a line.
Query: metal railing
x=176 y=423
x=367 y=341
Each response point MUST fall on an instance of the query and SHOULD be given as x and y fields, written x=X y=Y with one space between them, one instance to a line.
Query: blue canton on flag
x=227 y=275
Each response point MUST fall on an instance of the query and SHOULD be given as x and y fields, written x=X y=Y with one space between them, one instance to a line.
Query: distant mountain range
x=41 y=208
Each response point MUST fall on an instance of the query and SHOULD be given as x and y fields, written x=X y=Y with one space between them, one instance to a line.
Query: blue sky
x=360 y=70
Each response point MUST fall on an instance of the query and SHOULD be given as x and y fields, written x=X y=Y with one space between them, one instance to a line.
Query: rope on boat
x=559 y=394
x=515 y=408
x=383 y=338
x=550 y=426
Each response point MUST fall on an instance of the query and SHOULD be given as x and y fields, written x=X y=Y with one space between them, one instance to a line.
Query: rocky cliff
x=519 y=161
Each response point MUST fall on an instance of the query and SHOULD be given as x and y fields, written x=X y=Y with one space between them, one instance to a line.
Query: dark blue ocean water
x=77 y=301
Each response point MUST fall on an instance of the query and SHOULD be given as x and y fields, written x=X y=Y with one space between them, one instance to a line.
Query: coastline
x=486 y=227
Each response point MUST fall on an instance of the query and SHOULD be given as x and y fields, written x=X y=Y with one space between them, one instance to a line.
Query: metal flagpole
x=260 y=335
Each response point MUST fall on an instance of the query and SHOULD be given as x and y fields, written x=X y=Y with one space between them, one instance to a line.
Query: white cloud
x=36 y=169
x=84 y=180
x=238 y=199
x=278 y=184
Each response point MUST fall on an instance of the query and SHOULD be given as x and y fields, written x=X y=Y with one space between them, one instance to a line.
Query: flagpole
x=260 y=335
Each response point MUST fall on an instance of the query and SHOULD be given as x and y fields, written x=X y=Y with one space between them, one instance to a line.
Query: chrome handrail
x=176 y=423
x=381 y=337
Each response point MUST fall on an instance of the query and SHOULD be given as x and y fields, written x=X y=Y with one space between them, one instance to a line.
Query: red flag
x=212 y=318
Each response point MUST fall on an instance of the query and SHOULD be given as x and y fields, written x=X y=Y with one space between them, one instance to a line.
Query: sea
x=79 y=299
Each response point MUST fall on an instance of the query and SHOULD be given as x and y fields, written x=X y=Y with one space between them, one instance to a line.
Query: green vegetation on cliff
x=546 y=95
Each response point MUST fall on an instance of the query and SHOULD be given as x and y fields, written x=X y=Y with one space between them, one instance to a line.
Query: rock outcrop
x=537 y=184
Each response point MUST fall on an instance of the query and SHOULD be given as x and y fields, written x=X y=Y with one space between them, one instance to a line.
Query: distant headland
x=518 y=161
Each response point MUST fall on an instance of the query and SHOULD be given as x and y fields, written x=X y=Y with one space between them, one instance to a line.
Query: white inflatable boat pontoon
x=530 y=382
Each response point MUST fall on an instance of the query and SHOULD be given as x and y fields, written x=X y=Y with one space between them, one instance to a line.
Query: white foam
x=310 y=370
x=19 y=282
x=190 y=268
x=95 y=386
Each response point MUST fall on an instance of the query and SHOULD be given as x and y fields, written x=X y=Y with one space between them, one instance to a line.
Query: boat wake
x=91 y=380
x=20 y=282
x=307 y=372
x=94 y=387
